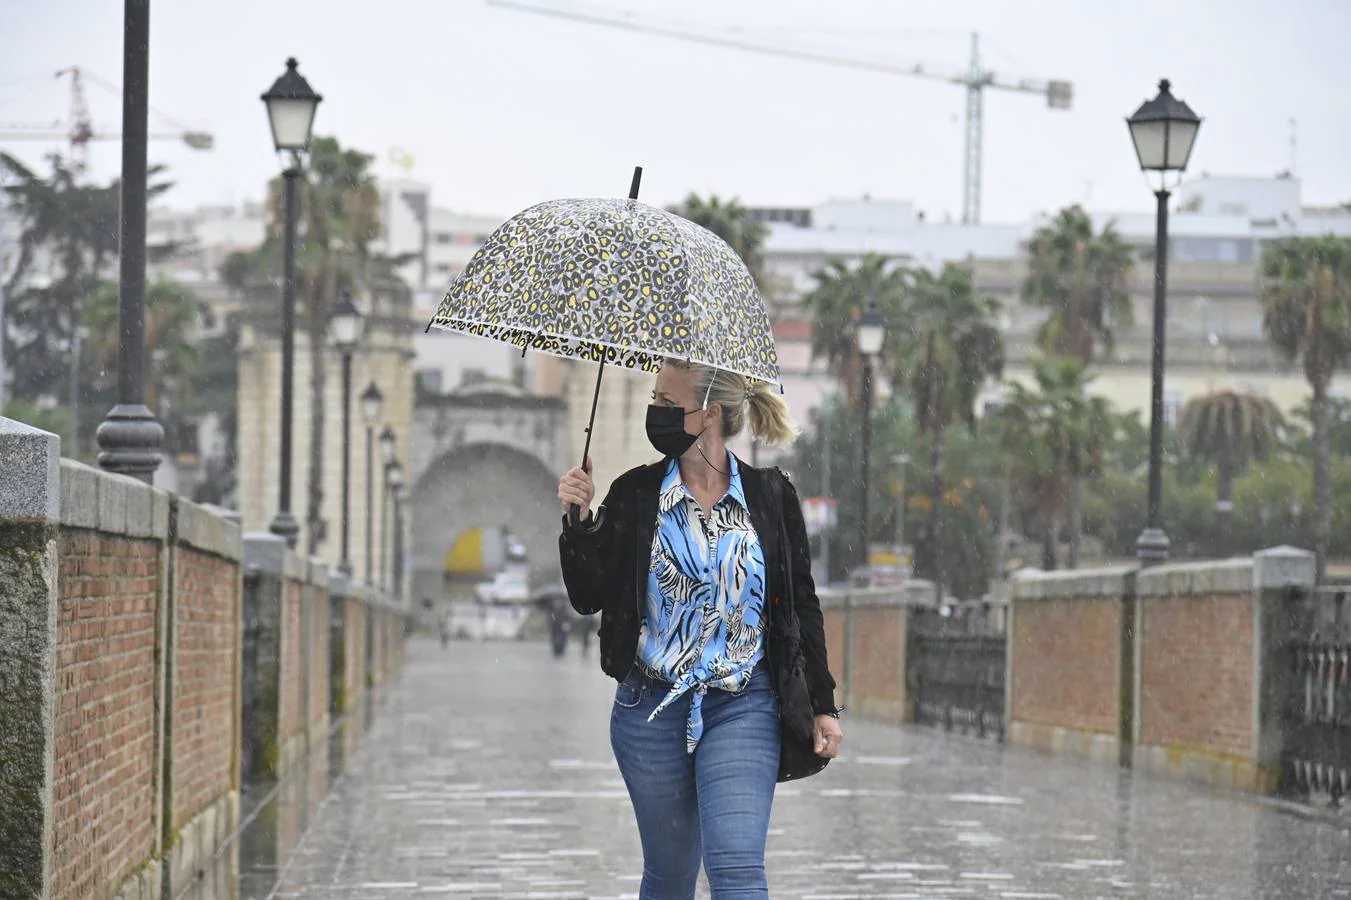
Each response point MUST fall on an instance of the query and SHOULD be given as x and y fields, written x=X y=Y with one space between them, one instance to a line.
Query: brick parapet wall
x=106 y=732
x=1210 y=667
x=116 y=717
x=1177 y=669
x=1070 y=659
x=122 y=680
x=867 y=633
x=318 y=671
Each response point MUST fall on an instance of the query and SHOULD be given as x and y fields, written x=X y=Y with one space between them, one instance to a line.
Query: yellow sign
x=465 y=556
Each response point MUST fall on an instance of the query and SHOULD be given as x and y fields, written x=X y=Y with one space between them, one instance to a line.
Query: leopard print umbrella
x=614 y=280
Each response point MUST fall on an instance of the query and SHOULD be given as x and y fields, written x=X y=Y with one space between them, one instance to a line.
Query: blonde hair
x=743 y=399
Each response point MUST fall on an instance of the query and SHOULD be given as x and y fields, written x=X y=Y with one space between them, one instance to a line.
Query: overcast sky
x=500 y=109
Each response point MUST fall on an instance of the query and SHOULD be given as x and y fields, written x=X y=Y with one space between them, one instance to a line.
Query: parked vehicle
x=509 y=586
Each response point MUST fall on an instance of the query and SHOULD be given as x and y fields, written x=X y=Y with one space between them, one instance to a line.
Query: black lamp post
x=870 y=332
x=371 y=401
x=129 y=438
x=388 y=542
x=1163 y=131
x=291 y=104
x=401 y=495
x=388 y=443
x=345 y=325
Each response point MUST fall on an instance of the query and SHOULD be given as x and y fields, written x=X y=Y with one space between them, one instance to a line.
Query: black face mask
x=666 y=430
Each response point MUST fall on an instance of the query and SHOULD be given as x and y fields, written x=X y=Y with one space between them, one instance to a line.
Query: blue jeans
x=712 y=807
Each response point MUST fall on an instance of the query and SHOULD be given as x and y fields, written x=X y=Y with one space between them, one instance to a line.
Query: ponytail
x=770 y=420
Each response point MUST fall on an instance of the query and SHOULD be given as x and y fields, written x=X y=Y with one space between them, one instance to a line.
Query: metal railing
x=957 y=668
x=1317 y=735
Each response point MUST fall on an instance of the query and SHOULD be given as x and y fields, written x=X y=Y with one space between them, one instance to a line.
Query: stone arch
x=483 y=485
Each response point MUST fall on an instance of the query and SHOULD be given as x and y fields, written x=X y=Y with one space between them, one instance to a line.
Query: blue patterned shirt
x=703 y=620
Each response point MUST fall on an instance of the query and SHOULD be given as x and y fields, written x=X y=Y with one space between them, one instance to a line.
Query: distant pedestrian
x=711 y=624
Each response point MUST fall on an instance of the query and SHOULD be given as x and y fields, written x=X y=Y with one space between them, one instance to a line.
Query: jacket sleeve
x=820 y=684
x=585 y=552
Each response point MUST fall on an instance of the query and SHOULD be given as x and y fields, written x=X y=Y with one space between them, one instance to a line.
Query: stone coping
x=267 y=552
x=341 y=586
x=915 y=592
x=1225 y=576
x=377 y=600
x=30 y=474
x=1284 y=566
x=112 y=504
x=318 y=572
x=206 y=529
x=118 y=504
x=1275 y=567
x=1087 y=584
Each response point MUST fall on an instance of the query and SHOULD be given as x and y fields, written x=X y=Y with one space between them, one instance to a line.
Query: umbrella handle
x=575 y=513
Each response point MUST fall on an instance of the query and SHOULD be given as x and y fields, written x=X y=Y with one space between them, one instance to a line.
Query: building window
x=443 y=237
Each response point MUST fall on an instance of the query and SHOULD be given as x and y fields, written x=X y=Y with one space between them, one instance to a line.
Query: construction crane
x=79 y=129
x=976 y=78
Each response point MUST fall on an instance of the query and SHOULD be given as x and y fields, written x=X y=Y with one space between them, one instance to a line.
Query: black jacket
x=605 y=567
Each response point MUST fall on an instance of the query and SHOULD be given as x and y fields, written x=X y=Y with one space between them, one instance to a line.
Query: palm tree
x=1053 y=437
x=1306 y=292
x=730 y=221
x=947 y=346
x=1228 y=429
x=1083 y=278
x=840 y=296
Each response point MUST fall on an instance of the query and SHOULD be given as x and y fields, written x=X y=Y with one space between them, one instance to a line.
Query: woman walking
x=710 y=622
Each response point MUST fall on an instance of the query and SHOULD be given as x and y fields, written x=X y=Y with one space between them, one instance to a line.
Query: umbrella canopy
x=614 y=281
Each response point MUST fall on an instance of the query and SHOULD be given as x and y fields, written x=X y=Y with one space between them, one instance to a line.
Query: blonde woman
x=710 y=622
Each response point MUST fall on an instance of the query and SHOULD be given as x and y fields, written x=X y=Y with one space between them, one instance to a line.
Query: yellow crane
x=78 y=128
x=975 y=78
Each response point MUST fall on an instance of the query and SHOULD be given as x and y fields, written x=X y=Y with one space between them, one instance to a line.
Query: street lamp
x=371 y=401
x=870 y=331
x=902 y=460
x=129 y=438
x=401 y=495
x=291 y=104
x=388 y=444
x=1163 y=131
x=393 y=484
x=345 y=325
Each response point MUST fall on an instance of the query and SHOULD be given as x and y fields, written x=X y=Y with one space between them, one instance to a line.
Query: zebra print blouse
x=704 y=613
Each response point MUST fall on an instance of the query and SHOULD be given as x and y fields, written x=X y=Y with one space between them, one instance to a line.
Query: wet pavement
x=487 y=772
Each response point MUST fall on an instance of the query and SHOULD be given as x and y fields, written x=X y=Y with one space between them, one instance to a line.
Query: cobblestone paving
x=487 y=772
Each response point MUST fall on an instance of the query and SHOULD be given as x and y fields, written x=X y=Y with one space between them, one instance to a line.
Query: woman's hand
x=827 y=737
x=577 y=489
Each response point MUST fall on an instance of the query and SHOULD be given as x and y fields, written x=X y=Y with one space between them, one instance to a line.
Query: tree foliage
x=1084 y=279
x=732 y=222
x=840 y=295
x=1306 y=295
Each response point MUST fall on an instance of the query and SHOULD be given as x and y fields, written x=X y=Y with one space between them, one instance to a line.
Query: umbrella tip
x=636 y=183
